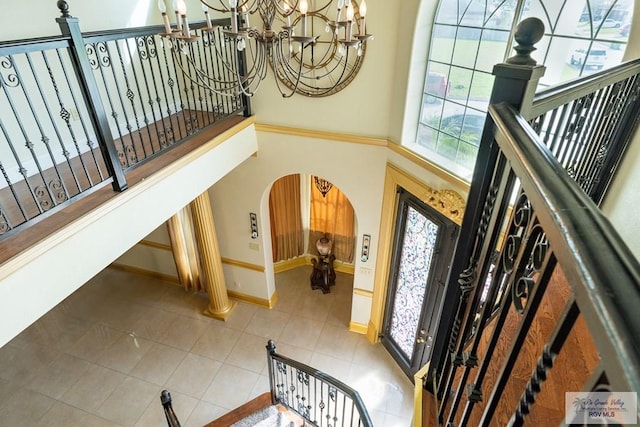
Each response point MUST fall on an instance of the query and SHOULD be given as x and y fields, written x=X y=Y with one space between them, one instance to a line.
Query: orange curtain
x=287 y=234
x=332 y=215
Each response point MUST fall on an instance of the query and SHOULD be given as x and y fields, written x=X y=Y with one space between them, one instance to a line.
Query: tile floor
x=103 y=355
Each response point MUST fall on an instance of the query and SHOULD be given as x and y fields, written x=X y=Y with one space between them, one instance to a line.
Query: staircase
x=300 y=396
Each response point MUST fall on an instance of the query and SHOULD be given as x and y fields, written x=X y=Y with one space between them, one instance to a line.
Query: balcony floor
x=44 y=225
x=102 y=356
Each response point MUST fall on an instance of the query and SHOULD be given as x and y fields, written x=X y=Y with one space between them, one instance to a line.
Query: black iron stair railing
x=588 y=123
x=320 y=399
x=315 y=396
x=533 y=201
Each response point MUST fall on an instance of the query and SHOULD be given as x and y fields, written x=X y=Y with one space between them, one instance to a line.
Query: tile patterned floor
x=102 y=356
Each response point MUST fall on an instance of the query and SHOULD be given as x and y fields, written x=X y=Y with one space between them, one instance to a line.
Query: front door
x=423 y=247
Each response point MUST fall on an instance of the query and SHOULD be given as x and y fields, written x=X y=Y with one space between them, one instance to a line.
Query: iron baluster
x=143 y=55
x=229 y=52
x=21 y=170
x=628 y=126
x=139 y=97
x=546 y=266
x=154 y=96
x=595 y=102
x=193 y=48
x=37 y=192
x=90 y=143
x=467 y=281
x=178 y=79
x=171 y=82
x=99 y=62
x=545 y=362
x=167 y=129
x=184 y=95
x=131 y=96
x=497 y=284
x=596 y=139
x=65 y=115
x=617 y=120
x=321 y=405
x=5 y=221
x=172 y=419
x=204 y=52
x=223 y=59
x=129 y=149
x=89 y=88
x=487 y=239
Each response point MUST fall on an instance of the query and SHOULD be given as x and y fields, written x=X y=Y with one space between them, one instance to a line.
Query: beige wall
x=357 y=169
x=623 y=198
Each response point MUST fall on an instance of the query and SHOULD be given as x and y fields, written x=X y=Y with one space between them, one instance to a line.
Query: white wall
x=623 y=198
x=36 y=18
x=362 y=108
x=153 y=254
x=357 y=169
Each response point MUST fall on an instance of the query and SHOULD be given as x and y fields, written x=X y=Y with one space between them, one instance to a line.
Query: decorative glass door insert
x=418 y=245
x=422 y=251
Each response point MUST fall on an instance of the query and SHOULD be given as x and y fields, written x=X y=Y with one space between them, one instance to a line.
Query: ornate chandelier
x=322 y=185
x=314 y=47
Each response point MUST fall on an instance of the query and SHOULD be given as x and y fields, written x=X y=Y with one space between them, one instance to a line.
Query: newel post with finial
x=70 y=28
x=515 y=83
x=517 y=78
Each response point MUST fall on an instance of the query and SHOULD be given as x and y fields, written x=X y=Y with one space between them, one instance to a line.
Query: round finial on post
x=165 y=397
x=64 y=8
x=271 y=347
x=528 y=33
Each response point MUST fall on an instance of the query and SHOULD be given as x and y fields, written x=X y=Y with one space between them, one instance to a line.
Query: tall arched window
x=470 y=36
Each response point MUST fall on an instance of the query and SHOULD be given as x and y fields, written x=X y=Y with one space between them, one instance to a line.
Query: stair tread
x=259 y=412
x=262 y=401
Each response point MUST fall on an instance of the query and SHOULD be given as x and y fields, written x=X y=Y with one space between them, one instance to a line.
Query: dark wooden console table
x=323 y=275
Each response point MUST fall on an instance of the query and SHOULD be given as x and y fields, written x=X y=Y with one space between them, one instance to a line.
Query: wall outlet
x=254 y=246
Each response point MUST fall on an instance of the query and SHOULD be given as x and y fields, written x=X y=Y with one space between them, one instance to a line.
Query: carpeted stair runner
x=265 y=417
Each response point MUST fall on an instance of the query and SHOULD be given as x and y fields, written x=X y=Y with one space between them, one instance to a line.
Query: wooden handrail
x=604 y=274
x=558 y=95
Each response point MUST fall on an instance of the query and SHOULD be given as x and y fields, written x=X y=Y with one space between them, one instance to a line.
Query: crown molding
x=333 y=136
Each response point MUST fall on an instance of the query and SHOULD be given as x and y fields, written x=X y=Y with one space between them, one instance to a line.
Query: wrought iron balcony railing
x=82 y=110
x=588 y=123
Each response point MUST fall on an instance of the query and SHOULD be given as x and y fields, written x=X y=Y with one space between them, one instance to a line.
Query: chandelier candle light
x=296 y=40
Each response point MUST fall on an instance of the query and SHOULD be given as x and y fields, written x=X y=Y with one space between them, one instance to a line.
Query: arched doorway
x=302 y=209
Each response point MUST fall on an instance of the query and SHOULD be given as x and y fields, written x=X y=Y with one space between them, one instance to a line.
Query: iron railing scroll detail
x=514 y=84
x=82 y=110
x=320 y=399
x=538 y=271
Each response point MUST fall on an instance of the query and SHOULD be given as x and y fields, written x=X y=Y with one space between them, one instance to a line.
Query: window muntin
x=470 y=36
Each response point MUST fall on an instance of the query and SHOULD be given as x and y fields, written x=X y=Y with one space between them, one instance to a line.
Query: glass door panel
x=422 y=250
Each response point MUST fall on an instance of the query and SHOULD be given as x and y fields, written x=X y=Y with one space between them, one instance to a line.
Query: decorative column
x=212 y=278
